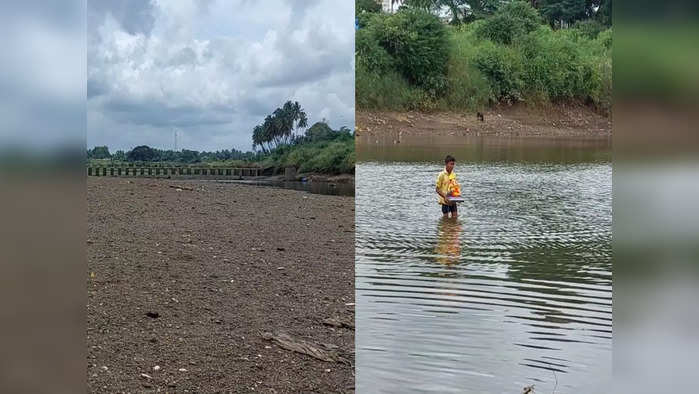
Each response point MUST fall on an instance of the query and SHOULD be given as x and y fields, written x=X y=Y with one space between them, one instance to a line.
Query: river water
x=327 y=188
x=516 y=291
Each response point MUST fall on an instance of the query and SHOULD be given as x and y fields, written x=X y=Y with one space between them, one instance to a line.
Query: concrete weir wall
x=174 y=172
x=290 y=173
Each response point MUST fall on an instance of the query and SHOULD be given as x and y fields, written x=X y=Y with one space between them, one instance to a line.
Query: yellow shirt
x=444 y=180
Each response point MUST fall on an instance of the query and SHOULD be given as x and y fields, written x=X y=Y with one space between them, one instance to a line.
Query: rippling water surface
x=516 y=291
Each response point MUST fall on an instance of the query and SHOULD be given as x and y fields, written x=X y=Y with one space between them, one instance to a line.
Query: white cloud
x=215 y=69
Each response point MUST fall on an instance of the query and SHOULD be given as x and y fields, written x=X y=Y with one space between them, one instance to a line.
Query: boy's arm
x=439 y=183
x=440 y=193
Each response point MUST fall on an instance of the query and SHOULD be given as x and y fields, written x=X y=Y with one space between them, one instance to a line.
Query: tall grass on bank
x=529 y=62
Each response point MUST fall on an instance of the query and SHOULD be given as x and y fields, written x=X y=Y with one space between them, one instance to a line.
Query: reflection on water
x=516 y=291
x=448 y=249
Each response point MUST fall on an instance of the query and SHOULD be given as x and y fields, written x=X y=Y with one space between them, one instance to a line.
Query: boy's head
x=449 y=162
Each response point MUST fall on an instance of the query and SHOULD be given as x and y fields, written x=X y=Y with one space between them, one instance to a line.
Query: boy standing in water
x=445 y=181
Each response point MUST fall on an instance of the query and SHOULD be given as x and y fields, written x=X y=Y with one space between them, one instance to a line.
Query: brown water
x=327 y=188
x=484 y=149
x=517 y=291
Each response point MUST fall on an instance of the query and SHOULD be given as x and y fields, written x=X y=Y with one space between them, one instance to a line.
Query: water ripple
x=518 y=289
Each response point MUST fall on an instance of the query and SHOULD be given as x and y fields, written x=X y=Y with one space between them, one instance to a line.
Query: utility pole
x=175 y=133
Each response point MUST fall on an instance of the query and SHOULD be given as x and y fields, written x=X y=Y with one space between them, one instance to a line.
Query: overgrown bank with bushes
x=412 y=60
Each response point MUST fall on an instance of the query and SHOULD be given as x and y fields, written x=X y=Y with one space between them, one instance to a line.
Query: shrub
x=417 y=42
x=503 y=69
x=467 y=87
x=562 y=65
x=512 y=20
x=511 y=56
x=590 y=28
x=326 y=156
x=370 y=54
x=387 y=91
x=332 y=157
x=605 y=39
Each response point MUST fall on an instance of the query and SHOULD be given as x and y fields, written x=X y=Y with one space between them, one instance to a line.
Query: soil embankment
x=191 y=285
x=515 y=121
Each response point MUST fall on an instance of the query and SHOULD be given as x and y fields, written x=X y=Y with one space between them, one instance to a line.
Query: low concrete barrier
x=174 y=172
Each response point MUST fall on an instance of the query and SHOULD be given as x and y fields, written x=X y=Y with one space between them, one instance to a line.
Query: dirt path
x=516 y=121
x=191 y=280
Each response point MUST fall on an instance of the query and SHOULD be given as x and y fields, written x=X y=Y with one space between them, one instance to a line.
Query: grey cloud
x=299 y=72
x=135 y=16
x=186 y=56
x=159 y=114
x=299 y=9
x=95 y=88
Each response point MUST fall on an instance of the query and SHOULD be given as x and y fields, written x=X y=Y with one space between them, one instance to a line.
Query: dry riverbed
x=206 y=287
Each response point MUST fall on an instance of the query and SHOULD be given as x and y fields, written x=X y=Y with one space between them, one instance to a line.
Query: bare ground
x=194 y=280
x=514 y=121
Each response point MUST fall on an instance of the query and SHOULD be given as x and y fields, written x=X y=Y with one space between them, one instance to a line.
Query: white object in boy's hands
x=451 y=198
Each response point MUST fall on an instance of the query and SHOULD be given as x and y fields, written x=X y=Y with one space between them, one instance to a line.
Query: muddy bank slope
x=514 y=121
x=192 y=280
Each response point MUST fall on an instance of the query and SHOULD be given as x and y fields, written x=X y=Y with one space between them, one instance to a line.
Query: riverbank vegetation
x=484 y=53
x=281 y=140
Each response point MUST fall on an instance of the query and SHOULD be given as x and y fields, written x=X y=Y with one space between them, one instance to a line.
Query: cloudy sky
x=213 y=69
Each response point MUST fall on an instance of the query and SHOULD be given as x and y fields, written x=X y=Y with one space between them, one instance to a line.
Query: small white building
x=390 y=6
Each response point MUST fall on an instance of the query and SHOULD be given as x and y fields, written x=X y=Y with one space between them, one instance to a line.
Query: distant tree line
x=185 y=156
x=557 y=13
x=319 y=132
x=277 y=143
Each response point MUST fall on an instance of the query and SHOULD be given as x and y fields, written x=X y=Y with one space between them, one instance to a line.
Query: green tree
x=258 y=139
x=604 y=13
x=512 y=20
x=119 y=155
x=279 y=127
x=99 y=152
x=291 y=118
x=461 y=10
x=319 y=131
x=189 y=156
x=141 y=153
x=566 y=12
x=418 y=44
x=361 y=6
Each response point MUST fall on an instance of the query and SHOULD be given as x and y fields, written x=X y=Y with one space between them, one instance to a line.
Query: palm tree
x=299 y=116
x=279 y=127
x=258 y=138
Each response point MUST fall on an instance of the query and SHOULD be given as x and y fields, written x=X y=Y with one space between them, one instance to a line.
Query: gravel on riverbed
x=183 y=282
